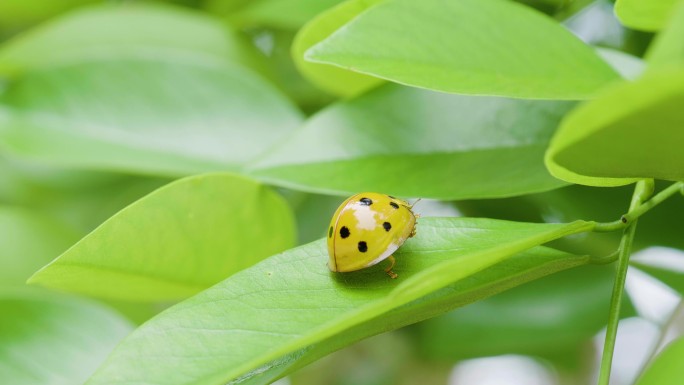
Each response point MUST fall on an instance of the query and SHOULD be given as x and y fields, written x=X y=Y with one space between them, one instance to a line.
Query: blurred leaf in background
x=290 y=104
x=54 y=340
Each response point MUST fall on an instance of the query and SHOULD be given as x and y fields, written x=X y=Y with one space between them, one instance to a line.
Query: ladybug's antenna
x=414 y=203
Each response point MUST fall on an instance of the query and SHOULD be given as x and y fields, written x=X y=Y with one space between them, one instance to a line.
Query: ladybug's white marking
x=365 y=217
x=390 y=249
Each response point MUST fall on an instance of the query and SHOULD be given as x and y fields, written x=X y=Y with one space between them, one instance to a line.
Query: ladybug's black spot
x=330 y=232
x=363 y=247
x=387 y=226
x=344 y=232
x=366 y=201
x=396 y=206
x=391 y=197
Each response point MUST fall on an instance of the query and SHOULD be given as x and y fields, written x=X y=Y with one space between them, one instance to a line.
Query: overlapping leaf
x=647 y=15
x=176 y=241
x=457 y=46
x=279 y=14
x=29 y=241
x=668 y=47
x=332 y=79
x=54 y=340
x=630 y=132
x=667 y=367
x=418 y=143
x=145 y=116
x=558 y=313
x=131 y=31
x=289 y=309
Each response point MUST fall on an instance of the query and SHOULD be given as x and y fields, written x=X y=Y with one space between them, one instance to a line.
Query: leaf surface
x=632 y=131
x=417 y=143
x=289 y=309
x=54 y=340
x=646 y=15
x=456 y=46
x=176 y=241
x=667 y=367
x=179 y=118
x=335 y=80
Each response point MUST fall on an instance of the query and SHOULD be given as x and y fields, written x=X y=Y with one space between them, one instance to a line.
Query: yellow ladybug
x=366 y=229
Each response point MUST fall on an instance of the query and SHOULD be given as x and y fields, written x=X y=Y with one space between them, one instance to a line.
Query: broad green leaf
x=286 y=76
x=16 y=14
x=632 y=131
x=280 y=14
x=129 y=31
x=175 y=242
x=419 y=143
x=29 y=241
x=289 y=310
x=179 y=118
x=313 y=213
x=668 y=47
x=78 y=199
x=645 y=15
x=332 y=79
x=54 y=340
x=481 y=47
x=667 y=367
x=550 y=315
x=368 y=362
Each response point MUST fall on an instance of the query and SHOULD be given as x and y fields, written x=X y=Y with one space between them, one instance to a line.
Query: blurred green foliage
x=110 y=109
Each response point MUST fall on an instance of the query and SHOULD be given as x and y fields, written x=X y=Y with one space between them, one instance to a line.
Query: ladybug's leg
x=388 y=270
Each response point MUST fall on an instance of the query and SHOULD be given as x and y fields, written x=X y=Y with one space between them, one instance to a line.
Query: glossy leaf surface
x=176 y=241
x=454 y=46
x=417 y=143
x=289 y=309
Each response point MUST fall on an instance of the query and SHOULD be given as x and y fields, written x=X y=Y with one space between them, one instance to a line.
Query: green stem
x=641 y=192
x=638 y=210
x=606 y=259
x=615 y=302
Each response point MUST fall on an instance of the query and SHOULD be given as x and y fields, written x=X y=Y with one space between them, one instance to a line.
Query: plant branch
x=642 y=192
x=641 y=208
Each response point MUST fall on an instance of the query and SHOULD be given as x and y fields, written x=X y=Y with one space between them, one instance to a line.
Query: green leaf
x=555 y=314
x=667 y=367
x=631 y=132
x=645 y=15
x=175 y=242
x=335 y=80
x=16 y=14
x=278 y=14
x=129 y=31
x=180 y=118
x=54 y=340
x=29 y=241
x=312 y=212
x=458 y=46
x=286 y=75
x=289 y=310
x=668 y=47
x=419 y=143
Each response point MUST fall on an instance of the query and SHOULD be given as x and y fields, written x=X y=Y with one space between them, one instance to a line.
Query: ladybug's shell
x=366 y=229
